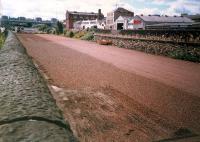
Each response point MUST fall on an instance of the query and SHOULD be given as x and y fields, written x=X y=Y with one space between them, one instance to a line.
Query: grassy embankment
x=83 y=35
x=2 y=39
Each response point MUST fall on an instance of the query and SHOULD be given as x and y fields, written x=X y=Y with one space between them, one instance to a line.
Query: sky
x=48 y=9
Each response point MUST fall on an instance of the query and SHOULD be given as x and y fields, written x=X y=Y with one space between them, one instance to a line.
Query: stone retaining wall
x=166 y=35
x=179 y=50
x=28 y=112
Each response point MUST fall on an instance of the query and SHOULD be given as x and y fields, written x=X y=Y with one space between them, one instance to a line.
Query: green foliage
x=29 y=25
x=64 y=32
x=183 y=54
x=79 y=34
x=1 y=41
x=59 y=28
x=69 y=34
x=102 y=31
x=84 y=35
x=88 y=36
x=2 y=38
x=43 y=27
x=92 y=29
x=47 y=29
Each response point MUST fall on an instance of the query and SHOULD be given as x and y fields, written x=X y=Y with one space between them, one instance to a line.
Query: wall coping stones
x=28 y=110
x=126 y=37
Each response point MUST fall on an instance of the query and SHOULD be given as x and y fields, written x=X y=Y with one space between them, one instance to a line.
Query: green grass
x=2 y=39
x=88 y=36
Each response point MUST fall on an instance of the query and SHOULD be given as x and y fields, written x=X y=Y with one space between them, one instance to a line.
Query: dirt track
x=115 y=94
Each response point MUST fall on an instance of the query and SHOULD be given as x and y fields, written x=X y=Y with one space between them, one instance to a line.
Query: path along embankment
x=28 y=112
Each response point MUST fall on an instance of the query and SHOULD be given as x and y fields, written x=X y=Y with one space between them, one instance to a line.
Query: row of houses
x=123 y=19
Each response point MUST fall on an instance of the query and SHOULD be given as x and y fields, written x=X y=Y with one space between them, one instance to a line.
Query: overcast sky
x=57 y=8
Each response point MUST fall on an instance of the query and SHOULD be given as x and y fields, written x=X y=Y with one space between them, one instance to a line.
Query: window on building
x=85 y=22
x=93 y=22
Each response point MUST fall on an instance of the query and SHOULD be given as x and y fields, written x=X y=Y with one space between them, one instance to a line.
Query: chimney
x=99 y=14
x=99 y=11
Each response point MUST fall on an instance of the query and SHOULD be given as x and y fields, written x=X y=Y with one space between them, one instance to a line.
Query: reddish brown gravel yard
x=113 y=94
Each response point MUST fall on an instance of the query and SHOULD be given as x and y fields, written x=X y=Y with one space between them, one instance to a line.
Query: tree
x=59 y=28
x=43 y=27
x=29 y=24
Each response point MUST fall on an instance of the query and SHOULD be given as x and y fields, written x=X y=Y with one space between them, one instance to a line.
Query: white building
x=101 y=24
x=87 y=24
x=122 y=22
x=114 y=15
x=141 y=21
x=77 y=25
x=131 y=23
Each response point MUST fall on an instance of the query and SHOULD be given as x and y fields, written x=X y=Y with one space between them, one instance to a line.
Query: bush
x=43 y=28
x=65 y=32
x=59 y=28
x=69 y=34
x=88 y=36
x=102 y=31
x=185 y=54
x=79 y=34
x=52 y=31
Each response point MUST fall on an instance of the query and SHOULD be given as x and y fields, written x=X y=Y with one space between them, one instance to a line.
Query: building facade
x=141 y=21
x=123 y=22
x=88 y=24
x=73 y=16
x=195 y=18
x=38 y=19
x=114 y=15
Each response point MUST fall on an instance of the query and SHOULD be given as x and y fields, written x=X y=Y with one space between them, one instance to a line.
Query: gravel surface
x=157 y=94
